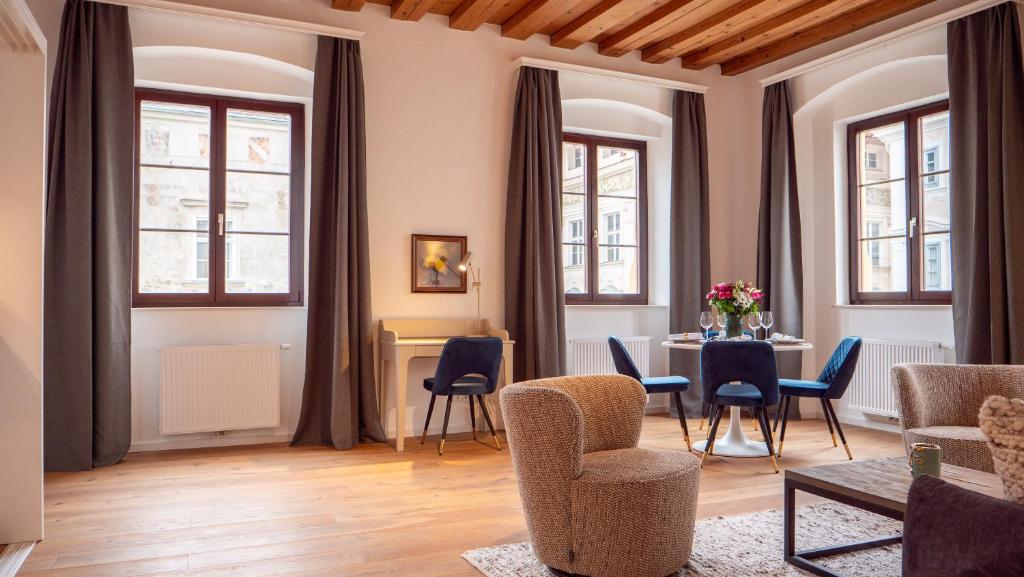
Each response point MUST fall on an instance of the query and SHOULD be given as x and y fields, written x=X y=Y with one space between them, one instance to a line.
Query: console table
x=401 y=340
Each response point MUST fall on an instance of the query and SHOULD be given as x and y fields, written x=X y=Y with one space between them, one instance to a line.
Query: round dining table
x=736 y=443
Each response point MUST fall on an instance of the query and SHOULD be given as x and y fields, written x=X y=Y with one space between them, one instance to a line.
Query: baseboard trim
x=13 y=557
x=220 y=441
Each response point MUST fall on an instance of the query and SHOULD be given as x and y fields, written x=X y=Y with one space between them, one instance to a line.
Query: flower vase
x=733 y=325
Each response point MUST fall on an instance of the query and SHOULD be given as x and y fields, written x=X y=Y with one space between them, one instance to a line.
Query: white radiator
x=219 y=388
x=871 y=391
x=593 y=357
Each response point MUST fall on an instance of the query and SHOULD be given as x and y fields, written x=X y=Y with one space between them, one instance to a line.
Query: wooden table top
x=886 y=482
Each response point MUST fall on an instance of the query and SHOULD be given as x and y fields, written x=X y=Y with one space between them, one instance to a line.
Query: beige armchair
x=940 y=403
x=595 y=503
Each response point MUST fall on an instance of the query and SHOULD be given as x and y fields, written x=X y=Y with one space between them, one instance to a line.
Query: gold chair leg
x=848 y=453
x=775 y=463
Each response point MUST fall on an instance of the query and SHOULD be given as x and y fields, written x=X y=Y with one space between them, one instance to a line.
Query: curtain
x=534 y=293
x=779 y=258
x=339 y=398
x=690 y=274
x=88 y=253
x=986 y=106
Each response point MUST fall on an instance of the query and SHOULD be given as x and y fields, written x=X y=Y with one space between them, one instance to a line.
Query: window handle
x=913 y=226
x=220 y=225
x=595 y=234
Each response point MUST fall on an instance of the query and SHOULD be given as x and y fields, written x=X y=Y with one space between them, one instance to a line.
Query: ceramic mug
x=925 y=459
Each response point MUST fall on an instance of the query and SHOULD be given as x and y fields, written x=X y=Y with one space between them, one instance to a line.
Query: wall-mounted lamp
x=467 y=265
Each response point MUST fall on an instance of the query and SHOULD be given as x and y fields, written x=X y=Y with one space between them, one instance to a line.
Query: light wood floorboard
x=278 y=510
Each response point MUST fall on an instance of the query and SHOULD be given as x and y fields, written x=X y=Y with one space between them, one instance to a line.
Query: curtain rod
x=224 y=15
x=614 y=74
x=922 y=26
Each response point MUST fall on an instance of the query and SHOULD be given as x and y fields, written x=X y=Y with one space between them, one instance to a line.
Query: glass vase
x=733 y=325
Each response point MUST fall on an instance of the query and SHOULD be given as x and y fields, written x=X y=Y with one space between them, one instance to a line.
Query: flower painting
x=435 y=263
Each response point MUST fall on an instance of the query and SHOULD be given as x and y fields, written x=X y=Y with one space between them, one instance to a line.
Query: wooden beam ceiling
x=739 y=35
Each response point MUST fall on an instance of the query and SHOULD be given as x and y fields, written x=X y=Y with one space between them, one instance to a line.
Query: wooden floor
x=275 y=510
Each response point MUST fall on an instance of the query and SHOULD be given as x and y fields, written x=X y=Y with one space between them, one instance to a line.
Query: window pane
x=883 y=265
x=882 y=153
x=617 y=171
x=574 y=161
x=936 y=269
x=935 y=142
x=574 y=268
x=617 y=220
x=259 y=141
x=935 y=202
x=174 y=134
x=256 y=263
x=883 y=209
x=618 y=271
x=259 y=202
x=573 y=218
x=173 y=197
x=173 y=262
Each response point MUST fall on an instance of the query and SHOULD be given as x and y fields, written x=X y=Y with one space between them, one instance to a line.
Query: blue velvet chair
x=752 y=365
x=705 y=407
x=831 y=384
x=674 y=386
x=469 y=366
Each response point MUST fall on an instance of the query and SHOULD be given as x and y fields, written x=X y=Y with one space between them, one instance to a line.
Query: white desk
x=736 y=443
x=402 y=340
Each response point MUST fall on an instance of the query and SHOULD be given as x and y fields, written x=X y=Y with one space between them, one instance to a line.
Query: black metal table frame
x=805 y=559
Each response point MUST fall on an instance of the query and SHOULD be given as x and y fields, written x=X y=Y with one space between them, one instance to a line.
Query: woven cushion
x=1002 y=422
x=633 y=512
x=961 y=446
x=949 y=531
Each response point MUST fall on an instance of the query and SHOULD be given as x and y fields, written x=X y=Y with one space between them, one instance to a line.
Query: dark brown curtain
x=88 y=253
x=534 y=294
x=780 y=271
x=690 y=274
x=986 y=109
x=339 y=398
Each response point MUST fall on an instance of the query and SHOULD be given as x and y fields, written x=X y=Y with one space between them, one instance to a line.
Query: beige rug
x=746 y=545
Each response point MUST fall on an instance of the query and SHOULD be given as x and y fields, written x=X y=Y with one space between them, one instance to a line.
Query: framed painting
x=435 y=263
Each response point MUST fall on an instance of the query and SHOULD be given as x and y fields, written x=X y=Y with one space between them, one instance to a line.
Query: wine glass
x=767 y=320
x=754 y=320
x=706 y=322
x=719 y=321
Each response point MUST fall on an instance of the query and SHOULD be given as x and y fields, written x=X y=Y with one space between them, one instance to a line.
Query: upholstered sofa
x=939 y=404
x=595 y=503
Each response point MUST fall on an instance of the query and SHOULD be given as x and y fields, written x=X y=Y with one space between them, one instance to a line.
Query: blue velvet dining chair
x=469 y=366
x=674 y=386
x=705 y=407
x=830 y=385
x=751 y=366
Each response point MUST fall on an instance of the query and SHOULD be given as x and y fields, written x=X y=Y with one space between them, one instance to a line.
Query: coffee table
x=879 y=486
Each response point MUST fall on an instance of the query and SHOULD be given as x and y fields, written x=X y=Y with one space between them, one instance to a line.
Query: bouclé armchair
x=595 y=503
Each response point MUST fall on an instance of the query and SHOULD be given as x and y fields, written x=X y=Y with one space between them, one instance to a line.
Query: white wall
x=22 y=121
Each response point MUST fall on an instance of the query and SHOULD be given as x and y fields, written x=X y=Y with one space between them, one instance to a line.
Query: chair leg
x=828 y=421
x=839 y=429
x=678 y=399
x=704 y=408
x=430 y=411
x=444 y=429
x=762 y=419
x=778 y=413
x=490 y=425
x=785 y=420
x=715 y=419
x=472 y=417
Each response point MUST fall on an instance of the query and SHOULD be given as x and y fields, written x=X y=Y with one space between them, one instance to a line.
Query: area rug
x=746 y=545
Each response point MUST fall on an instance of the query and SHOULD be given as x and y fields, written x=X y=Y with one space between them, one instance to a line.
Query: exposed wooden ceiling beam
x=534 y=16
x=871 y=14
x=639 y=33
x=595 y=21
x=410 y=9
x=736 y=17
x=350 y=5
x=766 y=32
x=472 y=14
